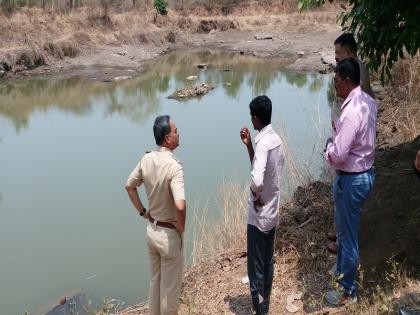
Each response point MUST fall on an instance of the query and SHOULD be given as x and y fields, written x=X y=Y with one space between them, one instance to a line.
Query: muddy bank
x=103 y=53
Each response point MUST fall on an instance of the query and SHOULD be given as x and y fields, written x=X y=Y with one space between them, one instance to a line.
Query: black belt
x=340 y=172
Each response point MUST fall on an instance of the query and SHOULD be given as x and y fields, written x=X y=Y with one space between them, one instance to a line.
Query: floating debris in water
x=90 y=277
x=191 y=91
x=191 y=77
x=122 y=78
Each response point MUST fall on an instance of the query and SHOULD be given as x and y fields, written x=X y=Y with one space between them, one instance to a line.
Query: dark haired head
x=261 y=107
x=161 y=128
x=349 y=68
x=347 y=40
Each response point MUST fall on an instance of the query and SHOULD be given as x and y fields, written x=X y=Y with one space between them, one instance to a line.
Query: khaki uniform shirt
x=163 y=177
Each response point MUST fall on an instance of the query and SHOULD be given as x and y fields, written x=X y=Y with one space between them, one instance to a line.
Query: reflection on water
x=67 y=147
x=137 y=99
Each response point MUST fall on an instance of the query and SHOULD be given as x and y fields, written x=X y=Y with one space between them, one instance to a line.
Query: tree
x=385 y=30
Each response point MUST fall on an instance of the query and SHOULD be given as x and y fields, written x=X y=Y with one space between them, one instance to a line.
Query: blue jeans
x=350 y=191
x=260 y=267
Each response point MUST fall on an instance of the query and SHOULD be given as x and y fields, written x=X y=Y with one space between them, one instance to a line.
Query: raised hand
x=245 y=136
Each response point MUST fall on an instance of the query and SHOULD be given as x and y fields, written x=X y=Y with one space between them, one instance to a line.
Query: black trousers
x=260 y=267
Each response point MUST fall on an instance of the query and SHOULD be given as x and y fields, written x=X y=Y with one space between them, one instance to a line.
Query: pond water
x=67 y=147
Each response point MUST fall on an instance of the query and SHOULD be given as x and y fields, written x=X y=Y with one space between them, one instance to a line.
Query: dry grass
x=400 y=119
x=229 y=231
x=406 y=83
x=59 y=34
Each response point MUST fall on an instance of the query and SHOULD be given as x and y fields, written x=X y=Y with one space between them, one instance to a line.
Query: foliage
x=385 y=30
x=161 y=6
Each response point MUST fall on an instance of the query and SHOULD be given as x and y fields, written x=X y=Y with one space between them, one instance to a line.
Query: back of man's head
x=161 y=128
x=261 y=108
x=347 y=40
x=349 y=68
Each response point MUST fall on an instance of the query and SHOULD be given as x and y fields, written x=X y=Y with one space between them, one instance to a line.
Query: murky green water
x=67 y=147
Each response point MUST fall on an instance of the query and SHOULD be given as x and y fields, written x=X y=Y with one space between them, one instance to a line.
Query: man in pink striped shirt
x=351 y=151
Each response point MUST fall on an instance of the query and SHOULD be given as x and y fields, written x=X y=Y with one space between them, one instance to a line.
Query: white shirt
x=265 y=179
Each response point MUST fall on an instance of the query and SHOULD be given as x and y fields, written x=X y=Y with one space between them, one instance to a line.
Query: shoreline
x=115 y=58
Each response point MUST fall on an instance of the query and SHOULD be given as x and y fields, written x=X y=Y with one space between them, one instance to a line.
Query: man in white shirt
x=267 y=164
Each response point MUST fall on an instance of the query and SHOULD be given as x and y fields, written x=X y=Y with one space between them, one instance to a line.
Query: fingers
x=244 y=133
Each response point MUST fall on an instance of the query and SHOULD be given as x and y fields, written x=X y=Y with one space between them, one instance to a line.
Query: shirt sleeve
x=258 y=169
x=338 y=150
x=177 y=184
x=136 y=177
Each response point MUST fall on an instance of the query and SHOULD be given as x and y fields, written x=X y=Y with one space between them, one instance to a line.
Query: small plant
x=161 y=6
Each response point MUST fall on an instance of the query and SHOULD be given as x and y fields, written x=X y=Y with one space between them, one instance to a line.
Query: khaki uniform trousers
x=166 y=266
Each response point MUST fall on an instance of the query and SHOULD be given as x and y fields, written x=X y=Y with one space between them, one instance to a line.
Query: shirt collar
x=263 y=132
x=163 y=149
x=352 y=94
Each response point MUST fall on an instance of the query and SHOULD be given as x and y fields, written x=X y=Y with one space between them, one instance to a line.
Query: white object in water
x=90 y=277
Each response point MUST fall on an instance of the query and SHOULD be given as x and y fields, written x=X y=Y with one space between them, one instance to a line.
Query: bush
x=161 y=6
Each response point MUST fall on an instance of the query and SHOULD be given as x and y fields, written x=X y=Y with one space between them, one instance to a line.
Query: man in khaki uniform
x=163 y=178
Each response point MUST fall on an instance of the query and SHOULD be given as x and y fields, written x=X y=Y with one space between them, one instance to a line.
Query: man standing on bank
x=267 y=164
x=345 y=46
x=163 y=178
x=351 y=152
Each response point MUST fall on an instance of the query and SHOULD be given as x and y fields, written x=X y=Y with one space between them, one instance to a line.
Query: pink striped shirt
x=353 y=146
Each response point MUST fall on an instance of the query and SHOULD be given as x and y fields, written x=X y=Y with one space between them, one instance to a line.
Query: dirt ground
x=103 y=54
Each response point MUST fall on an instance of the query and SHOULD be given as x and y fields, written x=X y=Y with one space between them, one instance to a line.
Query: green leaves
x=384 y=30
x=161 y=6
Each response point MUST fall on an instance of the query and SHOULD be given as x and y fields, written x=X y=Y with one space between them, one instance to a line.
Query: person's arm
x=181 y=215
x=338 y=150
x=135 y=180
x=246 y=139
x=136 y=201
x=178 y=193
x=258 y=170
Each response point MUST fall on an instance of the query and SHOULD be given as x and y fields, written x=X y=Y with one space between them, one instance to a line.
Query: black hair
x=161 y=128
x=261 y=108
x=347 y=40
x=349 y=68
